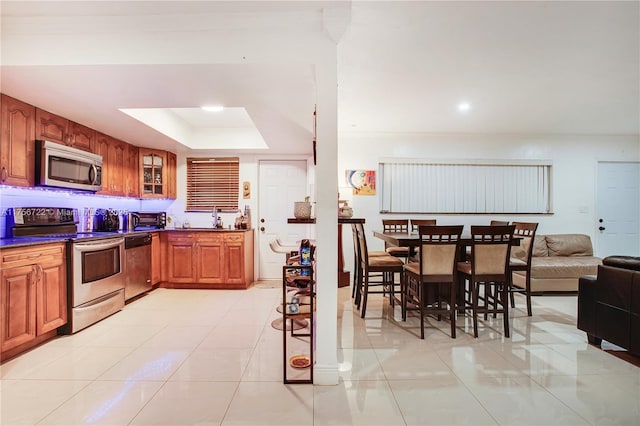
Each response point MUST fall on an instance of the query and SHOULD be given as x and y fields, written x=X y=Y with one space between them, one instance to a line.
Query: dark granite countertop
x=208 y=229
x=32 y=241
x=29 y=241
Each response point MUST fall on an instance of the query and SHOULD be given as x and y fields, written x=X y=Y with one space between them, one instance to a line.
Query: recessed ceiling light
x=464 y=106
x=213 y=108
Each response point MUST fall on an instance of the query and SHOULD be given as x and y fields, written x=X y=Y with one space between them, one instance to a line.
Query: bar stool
x=488 y=268
x=435 y=268
x=520 y=260
x=378 y=271
x=356 y=229
x=396 y=225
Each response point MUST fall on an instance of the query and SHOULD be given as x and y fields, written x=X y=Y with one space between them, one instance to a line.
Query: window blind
x=464 y=188
x=212 y=182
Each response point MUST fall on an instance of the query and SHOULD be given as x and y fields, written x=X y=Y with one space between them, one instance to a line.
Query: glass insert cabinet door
x=152 y=174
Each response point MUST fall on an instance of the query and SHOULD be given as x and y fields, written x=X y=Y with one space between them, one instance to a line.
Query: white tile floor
x=186 y=357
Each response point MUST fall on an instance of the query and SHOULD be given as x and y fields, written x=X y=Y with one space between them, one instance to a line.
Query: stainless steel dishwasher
x=137 y=270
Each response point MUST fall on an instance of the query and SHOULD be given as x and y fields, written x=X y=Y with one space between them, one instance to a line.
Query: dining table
x=412 y=239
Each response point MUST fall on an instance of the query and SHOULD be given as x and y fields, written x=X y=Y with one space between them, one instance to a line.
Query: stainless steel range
x=95 y=262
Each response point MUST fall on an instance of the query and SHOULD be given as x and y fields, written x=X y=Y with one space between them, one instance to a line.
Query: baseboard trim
x=325 y=375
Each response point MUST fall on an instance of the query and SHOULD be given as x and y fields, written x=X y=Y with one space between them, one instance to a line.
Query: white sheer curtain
x=473 y=187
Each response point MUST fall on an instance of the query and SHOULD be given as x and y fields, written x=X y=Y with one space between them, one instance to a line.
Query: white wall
x=248 y=171
x=574 y=160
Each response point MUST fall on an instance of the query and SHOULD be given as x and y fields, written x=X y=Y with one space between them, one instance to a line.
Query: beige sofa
x=558 y=261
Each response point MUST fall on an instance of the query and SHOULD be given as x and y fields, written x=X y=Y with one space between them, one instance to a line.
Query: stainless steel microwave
x=66 y=167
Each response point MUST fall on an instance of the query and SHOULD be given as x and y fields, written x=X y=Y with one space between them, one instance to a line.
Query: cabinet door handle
x=3 y=175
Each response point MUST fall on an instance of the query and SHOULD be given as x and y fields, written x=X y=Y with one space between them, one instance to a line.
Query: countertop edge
x=17 y=242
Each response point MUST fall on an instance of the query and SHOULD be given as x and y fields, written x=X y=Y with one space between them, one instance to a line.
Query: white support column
x=326 y=367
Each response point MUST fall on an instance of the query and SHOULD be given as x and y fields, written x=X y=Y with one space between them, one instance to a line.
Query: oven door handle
x=88 y=246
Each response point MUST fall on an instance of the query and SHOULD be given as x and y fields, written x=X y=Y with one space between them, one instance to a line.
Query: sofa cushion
x=564 y=267
x=540 y=246
x=569 y=245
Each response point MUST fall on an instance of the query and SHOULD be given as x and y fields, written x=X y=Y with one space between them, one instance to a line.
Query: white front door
x=281 y=184
x=618 y=209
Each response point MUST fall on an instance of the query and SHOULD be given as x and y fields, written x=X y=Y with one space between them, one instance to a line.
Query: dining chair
x=415 y=223
x=491 y=223
x=488 y=269
x=435 y=270
x=378 y=274
x=357 y=266
x=396 y=225
x=520 y=260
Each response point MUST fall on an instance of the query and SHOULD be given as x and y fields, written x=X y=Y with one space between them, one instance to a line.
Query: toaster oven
x=151 y=220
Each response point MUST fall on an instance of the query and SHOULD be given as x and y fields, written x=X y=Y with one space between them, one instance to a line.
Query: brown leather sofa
x=609 y=303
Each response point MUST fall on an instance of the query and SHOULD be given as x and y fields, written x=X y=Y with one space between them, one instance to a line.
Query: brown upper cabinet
x=127 y=170
x=153 y=173
x=17 y=156
x=54 y=128
x=132 y=179
x=172 y=167
x=114 y=154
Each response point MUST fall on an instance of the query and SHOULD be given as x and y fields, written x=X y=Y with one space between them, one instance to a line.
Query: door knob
x=601 y=228
x=262 y=228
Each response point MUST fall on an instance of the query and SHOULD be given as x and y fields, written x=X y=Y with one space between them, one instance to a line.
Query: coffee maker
x=106 y=220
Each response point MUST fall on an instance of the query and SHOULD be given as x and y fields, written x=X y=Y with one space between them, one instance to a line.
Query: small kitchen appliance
x=106 y=220
x=66 y=167
x=151 y=220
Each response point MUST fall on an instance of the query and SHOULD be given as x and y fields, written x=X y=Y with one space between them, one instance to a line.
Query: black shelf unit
x=295 y=283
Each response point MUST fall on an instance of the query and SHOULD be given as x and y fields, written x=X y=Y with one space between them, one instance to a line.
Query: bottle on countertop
x=246 y=222
x=214 y=215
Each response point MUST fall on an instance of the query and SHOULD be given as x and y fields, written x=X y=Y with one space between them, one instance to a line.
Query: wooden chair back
x=395 y=225
x=526 y=231
x=417 y=222
x=439 y=247
x=490 y=252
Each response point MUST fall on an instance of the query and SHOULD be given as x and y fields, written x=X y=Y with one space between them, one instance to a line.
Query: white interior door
x=618 y=207
x=281 y=184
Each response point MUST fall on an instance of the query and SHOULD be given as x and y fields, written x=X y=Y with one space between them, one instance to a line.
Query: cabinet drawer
x=209 y=237
x=234 y=237
x=180 y=236
x=19 y=257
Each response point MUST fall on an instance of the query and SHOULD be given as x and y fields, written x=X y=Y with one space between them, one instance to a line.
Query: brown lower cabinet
x=33 y=296
x=208 y=259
